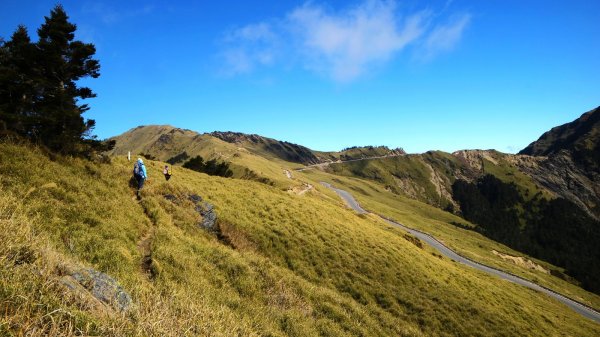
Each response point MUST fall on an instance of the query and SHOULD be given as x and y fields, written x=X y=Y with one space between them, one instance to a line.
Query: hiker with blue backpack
x=139 y=173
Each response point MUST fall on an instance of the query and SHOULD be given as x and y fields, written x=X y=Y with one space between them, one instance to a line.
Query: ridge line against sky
x=329 y=74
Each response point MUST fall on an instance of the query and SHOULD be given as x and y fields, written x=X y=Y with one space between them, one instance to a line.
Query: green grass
x=510 y=174
x=355 y=153
x=436 y=222
x=283 y=265
x=411 y=175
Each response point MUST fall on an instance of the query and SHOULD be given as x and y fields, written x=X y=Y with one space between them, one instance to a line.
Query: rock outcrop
x=209 y=216
x=87 y=282
x=561 y=175
x=204 y=209
x=571 y=167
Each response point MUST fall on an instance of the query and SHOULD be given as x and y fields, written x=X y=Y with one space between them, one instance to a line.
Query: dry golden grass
x=284 y=265
x=436 y=222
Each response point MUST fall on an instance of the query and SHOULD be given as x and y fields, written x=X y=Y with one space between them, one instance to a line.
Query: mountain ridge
x=430 y=177
x=566 y=136
x=560 y=170
x=544 y=200
x=281 y=263
x=284 y=258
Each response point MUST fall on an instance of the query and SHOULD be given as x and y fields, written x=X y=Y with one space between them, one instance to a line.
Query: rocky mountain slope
x=579 y=137
x=571 y=167
x=270 y=148
x=564 y=162
x=515 y=199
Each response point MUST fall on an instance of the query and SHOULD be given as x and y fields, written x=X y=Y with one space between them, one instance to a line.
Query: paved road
x=578 y=307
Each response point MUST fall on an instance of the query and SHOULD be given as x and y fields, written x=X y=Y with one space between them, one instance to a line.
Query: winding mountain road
x=578 y=307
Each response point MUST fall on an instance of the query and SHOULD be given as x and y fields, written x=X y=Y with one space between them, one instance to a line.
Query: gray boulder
x=209 y=216
x=205 y=209
x=101 y=286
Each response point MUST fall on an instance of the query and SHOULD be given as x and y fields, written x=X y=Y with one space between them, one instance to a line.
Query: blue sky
x=422 y=75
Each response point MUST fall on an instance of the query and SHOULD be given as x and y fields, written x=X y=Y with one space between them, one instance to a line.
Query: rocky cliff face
x=571 y=163
x=270 y=147
x=238 y=137
x=561 y=175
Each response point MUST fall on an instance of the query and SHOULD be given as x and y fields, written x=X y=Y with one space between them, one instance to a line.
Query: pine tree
x=17 y=84
x=196 y=163
x=39 y=96
x=63 y=62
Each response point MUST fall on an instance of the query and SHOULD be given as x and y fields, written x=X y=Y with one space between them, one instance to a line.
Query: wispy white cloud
x=444 y=37
x=342 y=45
x=248 y=47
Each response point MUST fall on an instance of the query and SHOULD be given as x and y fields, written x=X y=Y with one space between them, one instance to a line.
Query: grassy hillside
x=428 y=177
x=283 y=264
x=270 y=148
x=168 y=143
x=359 y=152
x=443 y=226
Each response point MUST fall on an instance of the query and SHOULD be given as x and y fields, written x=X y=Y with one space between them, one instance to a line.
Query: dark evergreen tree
x=211 y=167
x=64 y=62
x=195 y=163
x=39 y=96
x=18 y=88
x=548 y=229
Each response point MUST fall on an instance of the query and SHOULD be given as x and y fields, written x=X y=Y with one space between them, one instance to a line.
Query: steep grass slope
x=282 y=264
x=443 y=226
x=428 y=177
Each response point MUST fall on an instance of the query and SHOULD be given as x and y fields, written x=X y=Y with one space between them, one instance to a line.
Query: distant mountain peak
x=582 y=132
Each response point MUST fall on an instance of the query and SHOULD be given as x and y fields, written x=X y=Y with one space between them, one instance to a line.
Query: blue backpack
x=137 y=170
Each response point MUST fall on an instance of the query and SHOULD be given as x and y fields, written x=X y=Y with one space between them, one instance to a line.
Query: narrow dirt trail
x=145 y=244
x=145 y=249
